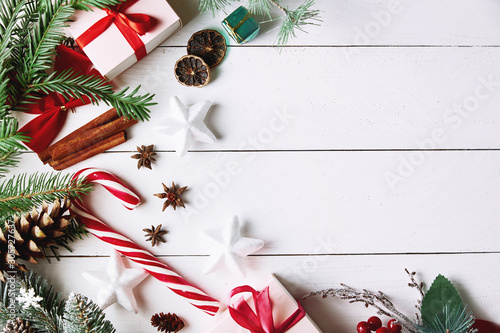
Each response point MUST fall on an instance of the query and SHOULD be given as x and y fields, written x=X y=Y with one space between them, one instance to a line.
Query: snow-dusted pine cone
x=18 y=326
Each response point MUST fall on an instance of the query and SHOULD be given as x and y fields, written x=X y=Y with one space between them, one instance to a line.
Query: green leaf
x=442 y=294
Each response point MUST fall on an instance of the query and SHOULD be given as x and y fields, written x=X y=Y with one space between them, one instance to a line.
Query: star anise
x=145 y=156
x=155 y=235
x=172 y=195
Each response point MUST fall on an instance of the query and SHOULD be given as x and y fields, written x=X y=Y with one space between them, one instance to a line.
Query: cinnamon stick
x=89 y=137
x=89 y=151
x=104 y=118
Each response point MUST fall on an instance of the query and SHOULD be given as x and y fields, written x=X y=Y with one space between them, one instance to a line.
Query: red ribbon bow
x=260 y=321
x=130 y=26
x=53 y=108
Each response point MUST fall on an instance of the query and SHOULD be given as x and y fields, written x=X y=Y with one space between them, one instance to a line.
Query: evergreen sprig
x=8 y=159
x=48 y=316
x=21 y=192
x=71 y=84
x=46 y=35
x=293 y=20
x=296 y=20
x=82 y=315
x=10 y=139
x=10 y=144
x=55 y=314
x=261 y=7
x=456 y=321
x=213 y=6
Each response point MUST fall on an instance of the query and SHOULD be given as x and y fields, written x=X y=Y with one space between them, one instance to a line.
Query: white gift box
x=110 y=52
x=283 y=305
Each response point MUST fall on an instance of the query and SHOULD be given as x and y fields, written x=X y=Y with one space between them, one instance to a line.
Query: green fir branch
x=10 y=144
x=47 y=34
x=456 y=321
x=21 y=192
x=25 y=25
x=74 y=85
x=296 y=20
x=213 y=6
x=131 y=105
x=54 y=314
x=261 y=7
x=8 y=160
x=10 y=13
x=10 y=139
x=82 y=315
x=47 y=318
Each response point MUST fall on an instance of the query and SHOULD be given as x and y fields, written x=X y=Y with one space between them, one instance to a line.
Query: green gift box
x=241 y=25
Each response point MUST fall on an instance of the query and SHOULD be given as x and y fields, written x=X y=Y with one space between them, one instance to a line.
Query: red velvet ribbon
x=130 y=25
x=53 y=108
x=260 y=321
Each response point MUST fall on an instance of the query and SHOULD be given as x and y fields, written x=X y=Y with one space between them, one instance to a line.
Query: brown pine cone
x=32 y=232
x=169 y=323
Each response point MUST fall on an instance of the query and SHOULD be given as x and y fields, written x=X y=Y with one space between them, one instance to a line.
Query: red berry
x=382 y=330
x=375 y=323
x=393 y=326
x=363 y=327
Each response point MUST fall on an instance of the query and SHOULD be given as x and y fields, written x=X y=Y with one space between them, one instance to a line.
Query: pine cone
x=169 y=323
x=18 y=326
x=33 y=232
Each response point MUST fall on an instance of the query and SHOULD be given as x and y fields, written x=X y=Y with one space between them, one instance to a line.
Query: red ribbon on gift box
x=130 y=25
x=53 y=108
x=260 y=321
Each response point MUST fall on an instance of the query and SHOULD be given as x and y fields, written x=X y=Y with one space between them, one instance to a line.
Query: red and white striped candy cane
x=131 y=250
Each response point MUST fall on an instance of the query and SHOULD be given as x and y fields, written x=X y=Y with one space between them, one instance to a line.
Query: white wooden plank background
x=356 y=157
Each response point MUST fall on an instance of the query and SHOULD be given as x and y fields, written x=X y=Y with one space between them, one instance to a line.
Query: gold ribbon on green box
x=232 y=30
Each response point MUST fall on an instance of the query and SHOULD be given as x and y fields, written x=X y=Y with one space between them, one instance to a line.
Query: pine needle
x=9 y=138
x=261 y=7
x=296 y=20
x=213 y=6
x=8 y=159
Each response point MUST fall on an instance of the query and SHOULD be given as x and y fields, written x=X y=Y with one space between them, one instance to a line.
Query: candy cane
x=131 y=250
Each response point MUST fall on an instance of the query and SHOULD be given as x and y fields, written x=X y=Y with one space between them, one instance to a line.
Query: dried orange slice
x=210 y=45
x=192 y=71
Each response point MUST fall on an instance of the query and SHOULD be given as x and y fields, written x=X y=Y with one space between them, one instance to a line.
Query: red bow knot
x=131 y=26
x=260 y=321
x=52 y=108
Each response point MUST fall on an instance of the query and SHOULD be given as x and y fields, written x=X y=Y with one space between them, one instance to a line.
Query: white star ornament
x=116 y=283
x=186 y=124
x=230 y=248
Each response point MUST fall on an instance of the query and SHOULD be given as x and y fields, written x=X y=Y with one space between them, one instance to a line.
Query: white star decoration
x=116 y=283
x=230 y=248
x=186 y=124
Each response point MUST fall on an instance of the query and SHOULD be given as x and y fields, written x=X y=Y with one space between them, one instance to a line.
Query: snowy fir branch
x=293 y=20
